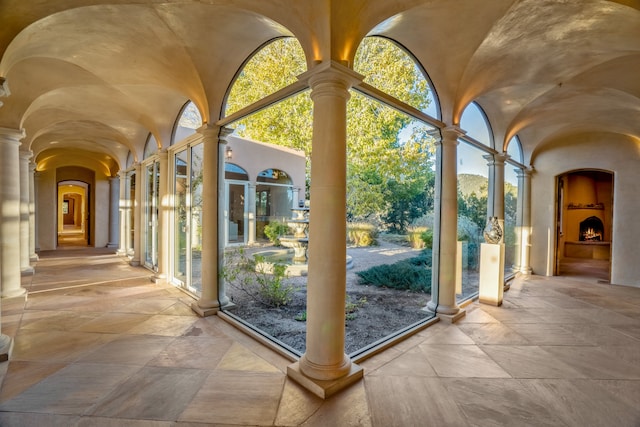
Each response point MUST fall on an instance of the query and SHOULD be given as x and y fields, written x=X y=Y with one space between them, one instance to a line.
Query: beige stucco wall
x=591 y=151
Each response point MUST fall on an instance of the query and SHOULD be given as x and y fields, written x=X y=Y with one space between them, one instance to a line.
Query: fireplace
x=591 y=229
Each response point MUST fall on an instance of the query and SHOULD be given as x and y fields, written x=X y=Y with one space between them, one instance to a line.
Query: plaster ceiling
x=98 y=76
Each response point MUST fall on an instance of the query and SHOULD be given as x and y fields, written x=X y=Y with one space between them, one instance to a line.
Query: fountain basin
x=285 y=256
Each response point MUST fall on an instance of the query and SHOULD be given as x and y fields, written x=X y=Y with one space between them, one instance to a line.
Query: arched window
x=233 y=171
x=189 y=120
x=475 y=123
x=151 y=146
x=384 y=63
x=274 y=176
x=274 y=66
x=514 y=149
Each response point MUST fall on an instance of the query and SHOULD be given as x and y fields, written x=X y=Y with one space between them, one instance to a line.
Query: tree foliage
x=389 y=154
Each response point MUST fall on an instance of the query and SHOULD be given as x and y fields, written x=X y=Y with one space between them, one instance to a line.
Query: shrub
x=412 y=274
x=420 y=237
x=263 y=282
x=362 y=234
x=274 y=230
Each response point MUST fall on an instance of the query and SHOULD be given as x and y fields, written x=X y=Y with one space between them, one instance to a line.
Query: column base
x=159 y=278
x=325 y=388
x=6 y=346
x=134 y=263
x=27 y=271
x=12 y=293
x=210 y=311
x=452 y=318
x=34 y=258
x=113 y=245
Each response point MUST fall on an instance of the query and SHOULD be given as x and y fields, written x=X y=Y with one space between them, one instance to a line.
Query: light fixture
x=228 y=152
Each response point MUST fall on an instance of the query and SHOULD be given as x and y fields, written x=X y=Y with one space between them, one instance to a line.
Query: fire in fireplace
x=591 y=229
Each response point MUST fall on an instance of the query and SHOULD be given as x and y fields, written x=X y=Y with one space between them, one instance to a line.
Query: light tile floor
x=98 y=344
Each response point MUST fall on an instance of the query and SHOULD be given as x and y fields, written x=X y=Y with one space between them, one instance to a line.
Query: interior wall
x=591 y=151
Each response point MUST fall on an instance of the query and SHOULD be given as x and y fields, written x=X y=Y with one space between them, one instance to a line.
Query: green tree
x=390 y=155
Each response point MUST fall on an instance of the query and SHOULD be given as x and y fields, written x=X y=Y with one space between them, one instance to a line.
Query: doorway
x=584 y=224
x=72 y=214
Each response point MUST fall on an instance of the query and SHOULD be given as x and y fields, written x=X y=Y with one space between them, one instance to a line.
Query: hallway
x=98 y=344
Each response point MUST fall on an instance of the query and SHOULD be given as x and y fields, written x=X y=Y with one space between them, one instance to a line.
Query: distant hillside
x=469 y=183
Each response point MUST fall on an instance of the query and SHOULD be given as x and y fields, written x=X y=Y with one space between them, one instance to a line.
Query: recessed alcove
x=584 y=216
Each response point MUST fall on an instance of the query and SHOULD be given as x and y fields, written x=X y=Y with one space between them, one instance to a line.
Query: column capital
x=496 y=159
x=450 y=134
x=25 y=154
x=526 y=172
x=9 y=135
x=224 y=135
x=4 y=89
x=330 y=77
x=208 y=131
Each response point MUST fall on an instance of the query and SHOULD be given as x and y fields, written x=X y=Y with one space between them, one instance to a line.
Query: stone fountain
x=299 y=242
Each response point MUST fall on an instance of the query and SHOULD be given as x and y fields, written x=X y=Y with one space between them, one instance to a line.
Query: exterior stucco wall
x=591 y=151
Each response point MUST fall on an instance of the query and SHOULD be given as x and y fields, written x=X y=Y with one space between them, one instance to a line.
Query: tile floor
x=98 y=344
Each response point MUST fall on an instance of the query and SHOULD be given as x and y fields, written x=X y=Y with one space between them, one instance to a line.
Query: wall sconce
x=228 y=152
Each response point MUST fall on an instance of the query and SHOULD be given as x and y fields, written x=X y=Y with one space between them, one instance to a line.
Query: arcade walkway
x=98 y=344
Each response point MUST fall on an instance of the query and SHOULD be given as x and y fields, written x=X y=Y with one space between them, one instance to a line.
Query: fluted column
x=325 y=360
x=445 y=230
x=212 y=239
x=137 y=215
x=164 y=210
x=25 y=265
x=524 y=221
x=114 y=211
x=33 y=256
x=10 y=221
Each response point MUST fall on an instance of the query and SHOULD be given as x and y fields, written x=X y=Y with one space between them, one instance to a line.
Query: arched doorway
x=584 y=224
x=73 y=213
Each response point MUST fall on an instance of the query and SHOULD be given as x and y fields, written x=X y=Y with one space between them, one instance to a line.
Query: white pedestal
x=491 y=273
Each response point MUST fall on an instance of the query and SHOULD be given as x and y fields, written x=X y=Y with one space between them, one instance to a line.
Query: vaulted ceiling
x=95 y=77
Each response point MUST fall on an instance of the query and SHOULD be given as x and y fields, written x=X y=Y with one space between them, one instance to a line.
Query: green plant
x=412 y=274
x=274 y=230
x=264 y=282
x=414 y=236
x=362 y=234
x=301 y=317
x=351 y=308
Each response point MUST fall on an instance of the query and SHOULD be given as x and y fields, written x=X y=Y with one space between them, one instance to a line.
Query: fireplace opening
x=591 y=229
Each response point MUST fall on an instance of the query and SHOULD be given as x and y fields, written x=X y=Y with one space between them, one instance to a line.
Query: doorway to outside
x=72 y=214
x=584 y=224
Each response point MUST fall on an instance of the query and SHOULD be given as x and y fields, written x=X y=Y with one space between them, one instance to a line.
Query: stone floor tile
x=411 y=401
x=151 y=393
x=499 y=402
x=237 y=398
x=185 y=352
x=410 y=363
x=493 y=333
x=120 y=422
x=239 y=358
x=462 y=361
x=172 y=326
x=296 y=405
x=17 y=419
x=529 y=362
x=346 y=408
x=113 y=323
x=22 y=375
x=129 y=350
x=56 y=346
x=547 y=334
x=72 y=390
x=595 y=362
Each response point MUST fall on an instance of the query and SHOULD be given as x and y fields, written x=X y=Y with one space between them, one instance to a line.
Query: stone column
x=122 y=213
x=221 y=200
x=10 y=224
x=524 y=221
x=445 y=229
x=33 y=256
x=25 y=265
x=114 y=212
x=164 y=209
x=325 y=368
x=137 y=216
x=495 y=202
x=212 y=254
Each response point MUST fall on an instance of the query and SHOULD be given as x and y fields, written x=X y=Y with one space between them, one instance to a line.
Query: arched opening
x=72 y=214
x=584 y=224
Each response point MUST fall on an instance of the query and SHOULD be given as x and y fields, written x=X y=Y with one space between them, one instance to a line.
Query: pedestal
x=491 y=273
